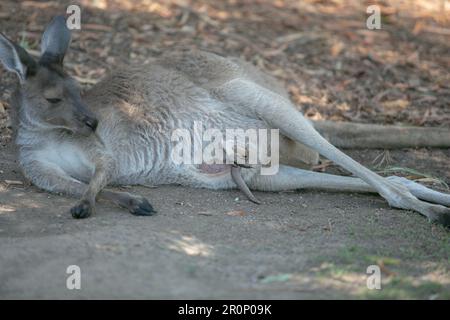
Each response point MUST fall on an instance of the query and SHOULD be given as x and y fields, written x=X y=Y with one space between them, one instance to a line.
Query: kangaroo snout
x=83 y=122
x=90 y=122
x=86 y=119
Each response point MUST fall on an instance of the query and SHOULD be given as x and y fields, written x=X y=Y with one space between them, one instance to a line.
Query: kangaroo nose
x=91 y=123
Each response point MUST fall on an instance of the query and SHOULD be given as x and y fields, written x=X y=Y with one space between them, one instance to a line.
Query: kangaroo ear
x=15 y=58
x=55 y=41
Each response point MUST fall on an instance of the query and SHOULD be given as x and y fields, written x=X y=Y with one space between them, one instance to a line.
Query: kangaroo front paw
x=82 y=210
x=140 y=206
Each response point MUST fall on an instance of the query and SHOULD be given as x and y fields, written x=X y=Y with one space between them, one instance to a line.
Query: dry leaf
x=384 y=269
x=417 y=28
x=336 y=48
x=96 y=27
x=396 y=105
x=237 y=213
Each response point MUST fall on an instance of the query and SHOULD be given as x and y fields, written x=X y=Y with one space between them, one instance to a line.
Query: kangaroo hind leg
x=278 y=112
x=290 y=178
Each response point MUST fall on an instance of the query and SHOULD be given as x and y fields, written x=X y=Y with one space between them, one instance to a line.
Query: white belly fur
x=70 y=158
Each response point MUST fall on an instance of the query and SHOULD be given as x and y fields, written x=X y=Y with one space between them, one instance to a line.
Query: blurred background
x=333 y=66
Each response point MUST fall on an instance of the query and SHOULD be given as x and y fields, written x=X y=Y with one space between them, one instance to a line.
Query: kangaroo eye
x=53 y=100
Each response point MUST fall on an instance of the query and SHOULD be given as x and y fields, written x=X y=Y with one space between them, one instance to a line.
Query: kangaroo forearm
x=63 y=184
x=56 y=183
x=97 y=183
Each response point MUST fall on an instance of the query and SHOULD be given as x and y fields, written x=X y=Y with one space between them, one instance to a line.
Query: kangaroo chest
x=68 y=157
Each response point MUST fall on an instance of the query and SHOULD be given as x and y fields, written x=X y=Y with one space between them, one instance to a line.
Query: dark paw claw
x=82 y=210
x=141 y=207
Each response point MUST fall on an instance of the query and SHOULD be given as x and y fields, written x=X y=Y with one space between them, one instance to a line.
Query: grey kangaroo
x=119 y=132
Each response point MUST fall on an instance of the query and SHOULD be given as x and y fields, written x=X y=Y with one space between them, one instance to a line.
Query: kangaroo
x=119 y=132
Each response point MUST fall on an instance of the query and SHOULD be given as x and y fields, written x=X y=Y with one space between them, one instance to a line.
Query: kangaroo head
x=49 y=97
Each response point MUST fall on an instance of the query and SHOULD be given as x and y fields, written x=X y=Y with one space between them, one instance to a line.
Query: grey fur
x=138 y=108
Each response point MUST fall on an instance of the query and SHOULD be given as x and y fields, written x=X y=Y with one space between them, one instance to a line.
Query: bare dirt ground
x=216 y=244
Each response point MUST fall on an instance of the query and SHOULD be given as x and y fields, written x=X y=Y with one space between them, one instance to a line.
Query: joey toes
x=140 y=206
x=82 y=210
